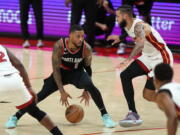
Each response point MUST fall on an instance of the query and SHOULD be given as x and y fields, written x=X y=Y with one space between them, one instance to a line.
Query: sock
x=19 y=114
x=56 y=131
x=103 y=111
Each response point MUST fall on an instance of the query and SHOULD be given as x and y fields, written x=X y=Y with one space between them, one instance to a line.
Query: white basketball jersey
x=154 y=43
x=5 y=64
x=174 y=89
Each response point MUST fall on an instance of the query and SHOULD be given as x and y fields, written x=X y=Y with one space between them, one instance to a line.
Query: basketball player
x=71 y=61
x=168 y=96
x=154 y=50
x=14 y=81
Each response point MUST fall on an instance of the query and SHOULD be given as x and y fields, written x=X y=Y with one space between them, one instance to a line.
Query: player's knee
x=91 y=88
x=35 y=112
x=125 y=75
x=88 y=84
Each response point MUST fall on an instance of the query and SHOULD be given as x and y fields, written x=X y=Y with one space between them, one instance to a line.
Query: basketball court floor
x=106 y=78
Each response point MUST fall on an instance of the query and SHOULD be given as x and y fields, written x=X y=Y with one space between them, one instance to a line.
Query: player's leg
x=38 y=12
x=145 y=11
x=82 y=80
x=110 y=22
x=76 y=11
x=133 y=70
x=149 y=90
x=43 y=118
x=24 y=10
x=48 y=88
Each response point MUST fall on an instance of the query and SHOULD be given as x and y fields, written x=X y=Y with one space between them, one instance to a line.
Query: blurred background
x=165 y=17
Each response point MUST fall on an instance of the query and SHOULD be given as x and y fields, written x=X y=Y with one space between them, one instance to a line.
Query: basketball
x=74 y=113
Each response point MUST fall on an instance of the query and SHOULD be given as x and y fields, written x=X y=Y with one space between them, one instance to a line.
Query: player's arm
x=19 y=66
x=140 y=30
x=107 y=7
x=166 y=104
x=88 y=59
x=56 y=62
x=87 y=66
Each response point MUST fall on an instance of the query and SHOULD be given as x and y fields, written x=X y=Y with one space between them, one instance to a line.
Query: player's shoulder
x=58 y=46
x=87 y=50
x=141 y=25
x=60 y=42
x=87 y=46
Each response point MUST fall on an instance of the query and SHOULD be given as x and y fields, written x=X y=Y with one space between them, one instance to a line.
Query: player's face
x=77 y=38
x=121 y=19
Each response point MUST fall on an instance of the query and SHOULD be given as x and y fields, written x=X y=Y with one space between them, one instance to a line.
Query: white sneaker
x=40 y=43
x=26 y=44
x=121 y=48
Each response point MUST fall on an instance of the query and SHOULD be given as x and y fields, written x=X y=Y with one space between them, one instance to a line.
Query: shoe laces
x=132 y=116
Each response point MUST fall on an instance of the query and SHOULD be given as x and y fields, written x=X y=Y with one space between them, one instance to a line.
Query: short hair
x=163 y=72
x=75 y=28
x=126 y=9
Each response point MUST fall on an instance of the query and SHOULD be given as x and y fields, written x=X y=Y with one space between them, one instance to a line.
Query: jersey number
x=76 y=65
x=2 y=59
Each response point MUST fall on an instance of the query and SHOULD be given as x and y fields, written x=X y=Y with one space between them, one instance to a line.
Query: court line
x=131 y=130
x=40 y=77
x=105 y=71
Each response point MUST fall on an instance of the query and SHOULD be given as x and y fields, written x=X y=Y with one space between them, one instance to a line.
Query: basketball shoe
x=108 y=122
x=132 y=119
x=12 y=122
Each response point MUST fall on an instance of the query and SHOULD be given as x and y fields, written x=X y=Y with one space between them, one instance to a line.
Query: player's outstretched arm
x=115 y=39
x=166 y=104
x=56 y=62
x=19 y=66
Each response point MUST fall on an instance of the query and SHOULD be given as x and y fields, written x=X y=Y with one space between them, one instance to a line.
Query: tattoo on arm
x=56 y=61
x=139 y=30
x=88 y=56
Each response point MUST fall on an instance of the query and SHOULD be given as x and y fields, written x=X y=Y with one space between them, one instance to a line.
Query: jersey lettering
x=2 y=59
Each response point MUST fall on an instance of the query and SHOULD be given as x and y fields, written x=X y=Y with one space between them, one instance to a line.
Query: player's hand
x=67 y=2
x=64 y=98
x=115 y=38
x=123 y=63
x=104 y=27
x=85 y=97
x=32 y=92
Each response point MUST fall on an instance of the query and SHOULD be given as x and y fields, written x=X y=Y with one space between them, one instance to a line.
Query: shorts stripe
x=25 y=104
x=159 y=46
x=143 y=66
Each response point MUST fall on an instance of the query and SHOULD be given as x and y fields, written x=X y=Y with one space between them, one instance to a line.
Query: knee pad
x=35 y=112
